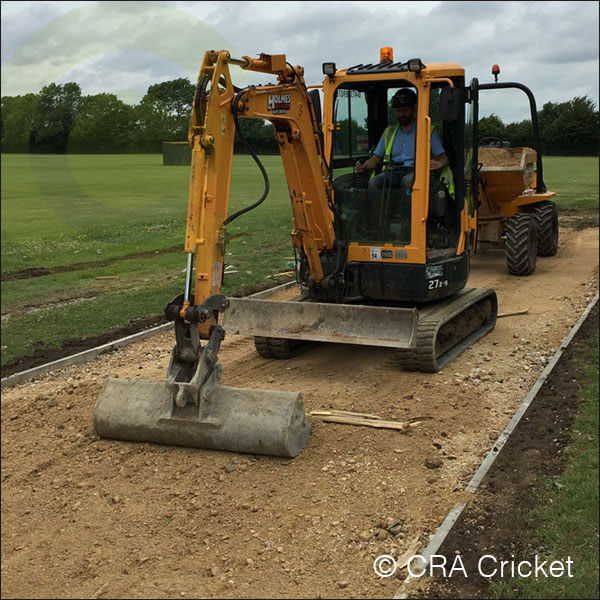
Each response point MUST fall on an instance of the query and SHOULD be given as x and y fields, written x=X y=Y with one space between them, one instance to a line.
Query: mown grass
x=565 y=522
x=63 y=210
x=574 y=179
x=59 y=210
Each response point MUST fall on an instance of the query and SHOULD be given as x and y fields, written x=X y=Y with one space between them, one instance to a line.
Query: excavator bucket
x=235 y=419
x=198 y=411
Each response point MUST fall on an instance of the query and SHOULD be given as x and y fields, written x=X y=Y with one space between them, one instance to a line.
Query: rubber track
x=424 y=358
x=280 y=348
x=518 y=229
x=546 y=222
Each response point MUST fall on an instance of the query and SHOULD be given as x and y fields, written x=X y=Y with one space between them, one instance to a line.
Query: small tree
x=163 y=114
x=491 y=126
x=520 y=134
x=56 y=111
x=104 y=124
x=571 y=128
x=16 y=117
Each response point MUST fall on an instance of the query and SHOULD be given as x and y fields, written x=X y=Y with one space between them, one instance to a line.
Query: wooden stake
x=330 y=413
x=512 y=314
x=412 y=549
x=379 y=423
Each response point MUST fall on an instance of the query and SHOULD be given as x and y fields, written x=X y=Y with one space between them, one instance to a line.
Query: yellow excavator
x=375 y=266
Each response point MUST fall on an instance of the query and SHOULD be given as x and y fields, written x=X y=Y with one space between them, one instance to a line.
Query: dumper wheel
x=521 y=244
x=546 y=223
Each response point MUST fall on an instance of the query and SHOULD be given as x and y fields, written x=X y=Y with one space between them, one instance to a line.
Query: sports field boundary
x=81 y=357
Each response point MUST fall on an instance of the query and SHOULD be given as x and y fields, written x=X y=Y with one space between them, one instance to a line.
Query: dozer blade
x=192 y=408
x=321 y=322
x=235 y=419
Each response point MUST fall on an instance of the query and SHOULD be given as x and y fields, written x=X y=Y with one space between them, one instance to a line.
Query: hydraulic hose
x=256 y=160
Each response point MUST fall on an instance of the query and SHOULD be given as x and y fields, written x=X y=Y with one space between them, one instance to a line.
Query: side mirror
x=450 y=104
x=315 y=97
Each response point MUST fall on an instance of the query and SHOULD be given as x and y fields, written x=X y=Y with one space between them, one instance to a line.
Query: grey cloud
x=127 y=72
x=107 y=27
x=16 y=28
x=530 y=41
x=520 y=36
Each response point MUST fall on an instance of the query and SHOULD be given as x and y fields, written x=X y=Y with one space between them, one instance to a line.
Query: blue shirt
x=403 y=149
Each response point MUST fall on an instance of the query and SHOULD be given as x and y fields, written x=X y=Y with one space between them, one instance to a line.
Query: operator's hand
x=439 y=162
x=359 y=166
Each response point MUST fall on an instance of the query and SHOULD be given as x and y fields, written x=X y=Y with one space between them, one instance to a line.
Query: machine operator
x=398 y=145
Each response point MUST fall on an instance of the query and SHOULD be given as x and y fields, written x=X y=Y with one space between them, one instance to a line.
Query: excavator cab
x=405 y=243
x=362 y=113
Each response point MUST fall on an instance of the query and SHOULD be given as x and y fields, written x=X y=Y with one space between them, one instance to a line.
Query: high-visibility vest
x=388 y=139
x=446 y=177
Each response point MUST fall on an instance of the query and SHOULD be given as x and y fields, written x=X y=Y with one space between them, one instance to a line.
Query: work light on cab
x=329 y=69
x=415 y=65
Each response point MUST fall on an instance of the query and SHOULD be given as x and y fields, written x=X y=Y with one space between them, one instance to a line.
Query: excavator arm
x=217 y=107
x=191 y=407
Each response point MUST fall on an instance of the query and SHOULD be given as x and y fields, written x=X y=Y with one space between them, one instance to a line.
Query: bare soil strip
x=494 y=522
x=94 y=264
x=118 y=519
x=43 y=354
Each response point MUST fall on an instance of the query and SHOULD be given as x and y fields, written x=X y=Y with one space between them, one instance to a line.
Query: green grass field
x=65 y=210
x=565 y=520
x=70 y=209
x=574 y=179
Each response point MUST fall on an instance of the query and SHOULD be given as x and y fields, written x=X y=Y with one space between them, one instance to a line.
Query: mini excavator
x=384 y=269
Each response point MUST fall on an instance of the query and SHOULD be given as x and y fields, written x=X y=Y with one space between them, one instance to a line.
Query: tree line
x=59 y=119
x=566 y=129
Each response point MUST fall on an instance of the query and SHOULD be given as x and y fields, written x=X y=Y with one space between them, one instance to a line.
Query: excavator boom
x=192 y=408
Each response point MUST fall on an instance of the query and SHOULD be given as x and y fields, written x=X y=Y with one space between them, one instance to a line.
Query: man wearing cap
x=397 y=144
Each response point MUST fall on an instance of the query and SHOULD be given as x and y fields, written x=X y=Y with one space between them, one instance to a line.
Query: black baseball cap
x=403 y=97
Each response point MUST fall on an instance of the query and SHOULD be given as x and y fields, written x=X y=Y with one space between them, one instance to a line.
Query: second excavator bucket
x=198 y=411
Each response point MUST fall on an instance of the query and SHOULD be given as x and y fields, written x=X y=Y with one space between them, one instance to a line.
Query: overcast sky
x=123 y=47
